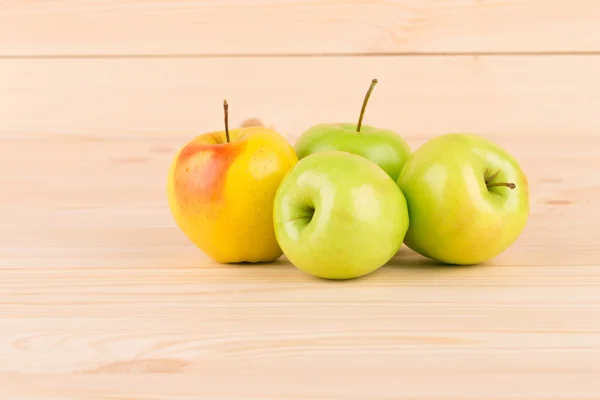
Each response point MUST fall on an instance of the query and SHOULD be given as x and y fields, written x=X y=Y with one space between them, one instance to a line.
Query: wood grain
x=101 y=297
x=136 y=27
x=416 y=96
x=79 y=202
x=271 y=332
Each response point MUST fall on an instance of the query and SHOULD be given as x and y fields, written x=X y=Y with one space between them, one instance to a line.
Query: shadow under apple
x=409 y=259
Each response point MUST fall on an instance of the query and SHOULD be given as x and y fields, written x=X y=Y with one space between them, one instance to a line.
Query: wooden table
x=103 y=298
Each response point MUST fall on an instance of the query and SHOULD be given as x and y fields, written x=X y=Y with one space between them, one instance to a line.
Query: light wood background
x=101 y=297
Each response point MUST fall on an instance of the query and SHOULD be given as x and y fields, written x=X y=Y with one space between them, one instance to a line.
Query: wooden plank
x=137 y=27
x=339 y=377
x=102 y=298
x=417 y=96
x=190 y=333
x=89 y=203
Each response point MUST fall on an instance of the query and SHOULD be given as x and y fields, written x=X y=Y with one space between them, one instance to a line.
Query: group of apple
x=341 y=202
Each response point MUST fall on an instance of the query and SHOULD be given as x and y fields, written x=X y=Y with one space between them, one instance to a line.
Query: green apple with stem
x=384 y=147
x=338 y=215
x=468 y=199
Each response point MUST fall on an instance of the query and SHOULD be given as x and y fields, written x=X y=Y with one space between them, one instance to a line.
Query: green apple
x=382 y=146
x=337 y=215
x=467 y=198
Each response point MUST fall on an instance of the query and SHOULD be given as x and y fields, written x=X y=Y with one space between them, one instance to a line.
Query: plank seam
x=295 y=55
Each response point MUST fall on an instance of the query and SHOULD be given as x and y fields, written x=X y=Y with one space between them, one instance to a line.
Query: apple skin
x=221 y=194
x=381 y=146
x=337 y=215
x=454 y=217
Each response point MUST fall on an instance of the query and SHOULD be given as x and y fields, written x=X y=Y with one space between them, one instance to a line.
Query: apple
x=221 y=187
x=382 y=146
x=338 y=215
x=468 y=199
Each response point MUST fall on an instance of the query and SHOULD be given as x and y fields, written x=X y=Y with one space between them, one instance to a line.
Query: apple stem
x=364 y=105
x=508 y=185
x=226 y=108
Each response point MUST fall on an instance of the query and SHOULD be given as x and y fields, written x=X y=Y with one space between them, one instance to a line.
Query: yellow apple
x=221 y=187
